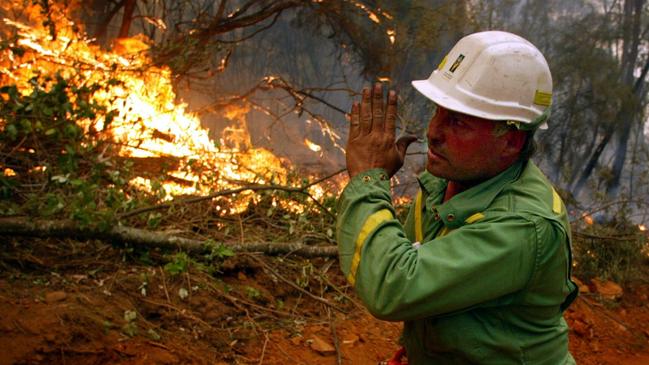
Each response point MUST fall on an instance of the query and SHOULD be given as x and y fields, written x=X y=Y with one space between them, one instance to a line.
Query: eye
x=456 y=120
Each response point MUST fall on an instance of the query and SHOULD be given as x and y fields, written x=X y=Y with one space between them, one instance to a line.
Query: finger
x=366 y=113
x=403 y=143
x=354 y=121
x=377 y=108
x=391 y=114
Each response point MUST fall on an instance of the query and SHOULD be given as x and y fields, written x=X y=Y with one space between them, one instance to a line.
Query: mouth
x=435 y=156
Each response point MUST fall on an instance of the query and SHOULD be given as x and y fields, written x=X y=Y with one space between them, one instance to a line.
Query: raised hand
x=371 y=142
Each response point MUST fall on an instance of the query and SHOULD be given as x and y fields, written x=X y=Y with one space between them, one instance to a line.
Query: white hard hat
x=493 y=75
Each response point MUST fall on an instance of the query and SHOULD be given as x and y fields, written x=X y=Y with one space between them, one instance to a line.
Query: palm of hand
x=371 y=142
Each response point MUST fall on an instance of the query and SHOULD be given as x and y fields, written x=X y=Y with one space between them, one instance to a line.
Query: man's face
x=465 y=149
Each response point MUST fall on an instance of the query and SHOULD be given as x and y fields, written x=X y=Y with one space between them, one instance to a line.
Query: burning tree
x=91 y=134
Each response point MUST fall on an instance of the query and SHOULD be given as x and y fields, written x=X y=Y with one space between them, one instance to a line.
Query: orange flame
x=150 y=122
x=312 y=146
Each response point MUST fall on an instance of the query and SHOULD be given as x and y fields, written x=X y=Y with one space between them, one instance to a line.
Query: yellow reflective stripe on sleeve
x=370 y=224
x=556 y=202
x=419 y=236
x=474 y=218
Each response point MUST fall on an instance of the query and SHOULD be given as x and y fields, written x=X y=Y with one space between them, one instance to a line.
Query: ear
x=514 y=142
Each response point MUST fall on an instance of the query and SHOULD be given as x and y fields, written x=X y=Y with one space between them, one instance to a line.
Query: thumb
x=403 y=142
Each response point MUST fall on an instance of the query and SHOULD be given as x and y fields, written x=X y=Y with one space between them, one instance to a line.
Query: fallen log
x=19 y=226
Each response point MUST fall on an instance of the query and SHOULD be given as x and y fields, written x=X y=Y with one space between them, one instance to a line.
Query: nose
x=435 y=133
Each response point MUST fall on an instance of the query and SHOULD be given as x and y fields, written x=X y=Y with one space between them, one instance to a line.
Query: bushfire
x=149 y=121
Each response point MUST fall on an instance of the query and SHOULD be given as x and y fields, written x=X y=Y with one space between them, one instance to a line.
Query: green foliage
x=252 y=293
x=178 y=264
x=217 y=252
x=181 y=262
x=56 y=164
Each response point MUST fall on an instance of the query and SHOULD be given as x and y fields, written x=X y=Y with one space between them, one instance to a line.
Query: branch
x=238 y=20
x=261 y=29
x=610 y=238
x=282 y=84
x=14 y=226
x=295 y=286
x=300 y=190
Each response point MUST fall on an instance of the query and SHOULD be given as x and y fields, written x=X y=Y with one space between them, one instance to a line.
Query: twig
x=339 y=291
x=639 y=201
x=295 y=286
x=332 y=325
x=156 y=344
x=586 y=235
x=241 y=238
x=263 y=349
x=164 y=285
x=235 y=301
x=291 y=189
x=593 y=304
x=179 y=311
x=189 y=285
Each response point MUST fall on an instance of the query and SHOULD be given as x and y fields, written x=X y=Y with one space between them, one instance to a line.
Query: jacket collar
x=476 y=199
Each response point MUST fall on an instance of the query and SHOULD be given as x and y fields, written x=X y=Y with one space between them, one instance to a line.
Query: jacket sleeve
x=473 y=264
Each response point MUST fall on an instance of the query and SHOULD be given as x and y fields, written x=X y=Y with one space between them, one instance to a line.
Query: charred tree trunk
x=630 y=110
x=102 y=13
x=592 y=161
x=127 y=19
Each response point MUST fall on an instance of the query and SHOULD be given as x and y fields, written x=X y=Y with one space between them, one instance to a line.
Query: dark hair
x=529 y=148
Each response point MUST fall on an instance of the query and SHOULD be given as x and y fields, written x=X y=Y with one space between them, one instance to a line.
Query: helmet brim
x=443 y=99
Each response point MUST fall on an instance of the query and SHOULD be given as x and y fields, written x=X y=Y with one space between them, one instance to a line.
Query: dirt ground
x=68 y=302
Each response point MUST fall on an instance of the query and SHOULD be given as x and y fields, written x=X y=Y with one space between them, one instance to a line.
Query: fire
x=150 y=122
x=588 y=219
x=392 y=35
x=401 y=200
x=642 y=227
x=370 y=14
x=312 y=146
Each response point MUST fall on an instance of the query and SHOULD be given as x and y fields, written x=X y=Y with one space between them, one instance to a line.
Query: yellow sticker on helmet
x=441 y=64
x=542 y=98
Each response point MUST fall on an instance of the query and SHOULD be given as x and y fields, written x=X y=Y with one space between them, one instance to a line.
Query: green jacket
x=480 y=279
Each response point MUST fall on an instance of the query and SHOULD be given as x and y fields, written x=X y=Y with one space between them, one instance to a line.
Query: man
x=480 y=271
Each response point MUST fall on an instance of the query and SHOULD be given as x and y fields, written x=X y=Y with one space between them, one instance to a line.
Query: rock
x=321 y=346
x=351 y=340
x=296 y=340
x=55 y=296
x=580 y=328
x=607 y=289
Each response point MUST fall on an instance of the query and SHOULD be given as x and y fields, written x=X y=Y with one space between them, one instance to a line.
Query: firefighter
x=479 y=272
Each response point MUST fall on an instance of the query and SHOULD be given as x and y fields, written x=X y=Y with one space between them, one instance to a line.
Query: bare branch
x=69 y=229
